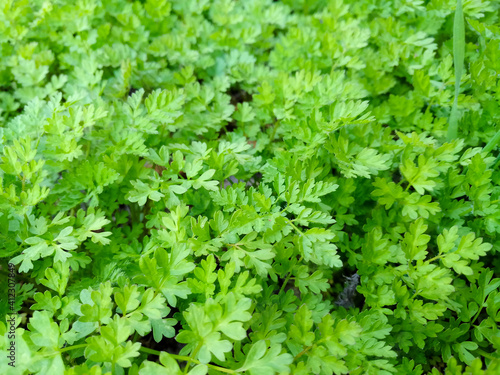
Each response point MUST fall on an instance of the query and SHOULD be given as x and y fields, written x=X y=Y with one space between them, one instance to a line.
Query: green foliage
x=250 y=187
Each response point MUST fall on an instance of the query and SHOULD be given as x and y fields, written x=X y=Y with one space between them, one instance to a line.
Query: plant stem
x=303 y=352
x=275 y=128
x=191 y=358
x=187 y=359
x=435 y=258
x=485 y=354
x=295 y=227
x=285 y=282
x=72 y=347
x=156 y=352
x=492 y=143
x=479 y=309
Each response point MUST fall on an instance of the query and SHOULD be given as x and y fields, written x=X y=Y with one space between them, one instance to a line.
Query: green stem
x=307 y=349
x=492 y=143
x=435 y=258
x=285 y=282
x=295 y=227
x=411 y=182
x=186 y=359
x=72 y=348
x=479 y=309
x=155 y=352
x=485 y=354
x=496 y=162
x=275 y=128
x=415 y=295
x=191 y=358
x=303 y=352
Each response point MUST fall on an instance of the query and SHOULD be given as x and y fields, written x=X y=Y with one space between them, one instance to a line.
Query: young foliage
x=249 y=187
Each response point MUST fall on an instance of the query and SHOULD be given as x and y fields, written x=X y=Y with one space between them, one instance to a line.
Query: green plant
x=250 y=187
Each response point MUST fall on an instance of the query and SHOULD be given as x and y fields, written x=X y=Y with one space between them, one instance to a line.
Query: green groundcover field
x=250 y=187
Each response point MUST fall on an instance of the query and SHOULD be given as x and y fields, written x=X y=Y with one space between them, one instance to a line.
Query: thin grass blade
x=493 y=142
x=458 y=62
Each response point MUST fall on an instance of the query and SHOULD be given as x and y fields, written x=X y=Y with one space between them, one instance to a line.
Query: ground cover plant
x=250 y=187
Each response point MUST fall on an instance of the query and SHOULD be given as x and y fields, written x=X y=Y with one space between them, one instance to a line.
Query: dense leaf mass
x=250 y=187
